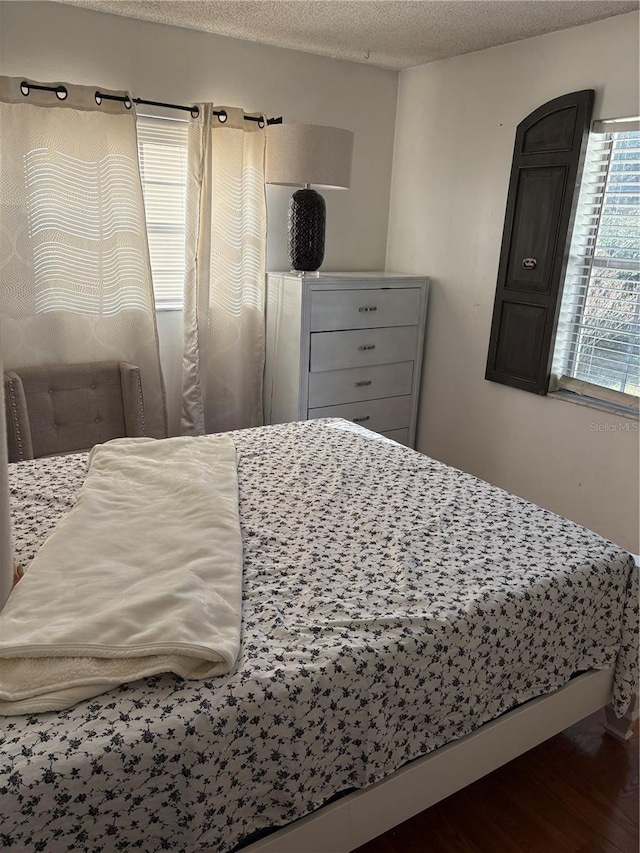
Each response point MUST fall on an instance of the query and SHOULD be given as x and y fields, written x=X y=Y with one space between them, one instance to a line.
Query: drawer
x=360 y=383
x=399 y=435
x=333 y=310
x=379 y=415
x=359 y=348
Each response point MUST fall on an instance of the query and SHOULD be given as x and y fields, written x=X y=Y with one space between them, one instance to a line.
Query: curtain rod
x=194 y=111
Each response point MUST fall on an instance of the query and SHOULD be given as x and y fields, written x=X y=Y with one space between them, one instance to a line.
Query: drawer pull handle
x=366 y=347
x=362 y=384
x=367 y=309
x=360 y=420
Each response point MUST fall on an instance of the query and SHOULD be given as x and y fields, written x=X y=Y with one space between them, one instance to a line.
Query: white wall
x=455 y=131
x=52 y=42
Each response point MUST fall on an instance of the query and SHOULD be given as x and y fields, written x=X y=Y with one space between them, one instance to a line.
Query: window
x=162 y=146
x=597 y=350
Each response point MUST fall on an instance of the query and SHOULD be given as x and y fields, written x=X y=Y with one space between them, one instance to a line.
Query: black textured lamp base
x=307 y=216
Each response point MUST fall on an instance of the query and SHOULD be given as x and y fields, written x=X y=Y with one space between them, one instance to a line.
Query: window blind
x=598 y=338
x=162 y=145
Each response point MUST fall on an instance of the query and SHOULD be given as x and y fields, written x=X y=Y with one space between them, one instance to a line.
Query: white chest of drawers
x=345 y=345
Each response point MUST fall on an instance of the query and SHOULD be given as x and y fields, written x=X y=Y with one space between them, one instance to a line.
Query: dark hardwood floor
x=576 y=793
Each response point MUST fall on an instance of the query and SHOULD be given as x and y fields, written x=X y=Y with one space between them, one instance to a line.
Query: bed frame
x=364 y=814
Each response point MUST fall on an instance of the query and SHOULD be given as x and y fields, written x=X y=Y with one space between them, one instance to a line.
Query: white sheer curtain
x=6 y=561
x=225 y=271
x=74 y=261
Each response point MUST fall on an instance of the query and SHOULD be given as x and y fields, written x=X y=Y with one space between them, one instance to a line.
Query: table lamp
x=305 y=155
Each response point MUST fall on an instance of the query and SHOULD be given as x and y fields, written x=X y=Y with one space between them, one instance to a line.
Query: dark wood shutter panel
x=547 y=165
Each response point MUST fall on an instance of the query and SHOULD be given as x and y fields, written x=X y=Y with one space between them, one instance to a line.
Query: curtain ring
x=261 y=122
x=195 y=112
x=61 y=93
x=222 y=116
x=127 y=103
x=98 y=98
x=25 y=88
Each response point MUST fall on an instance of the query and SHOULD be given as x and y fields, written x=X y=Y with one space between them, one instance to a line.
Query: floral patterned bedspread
x=391 y=604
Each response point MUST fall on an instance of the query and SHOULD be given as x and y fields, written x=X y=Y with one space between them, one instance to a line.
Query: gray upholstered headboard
x=71 y=407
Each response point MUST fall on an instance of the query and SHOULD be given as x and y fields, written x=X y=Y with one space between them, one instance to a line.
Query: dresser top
x=366 y=275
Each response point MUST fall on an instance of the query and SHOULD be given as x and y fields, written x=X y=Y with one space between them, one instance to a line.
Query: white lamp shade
x=299 y=154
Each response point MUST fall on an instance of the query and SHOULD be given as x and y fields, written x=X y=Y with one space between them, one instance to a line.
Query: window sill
x=600 y=405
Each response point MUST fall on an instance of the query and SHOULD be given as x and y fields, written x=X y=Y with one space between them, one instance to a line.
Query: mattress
x=391 y=604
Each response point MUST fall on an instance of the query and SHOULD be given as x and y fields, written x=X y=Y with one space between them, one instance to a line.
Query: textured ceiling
x=387 y=33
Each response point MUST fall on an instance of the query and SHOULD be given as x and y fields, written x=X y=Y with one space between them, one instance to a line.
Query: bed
x=397 y=614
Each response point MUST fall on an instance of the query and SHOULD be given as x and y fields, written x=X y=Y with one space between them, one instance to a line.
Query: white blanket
x=143 y=576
